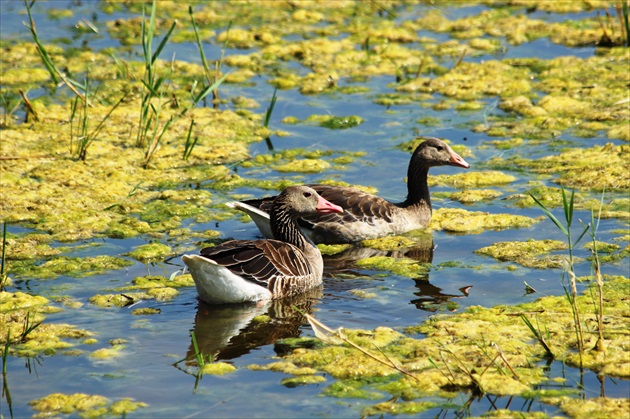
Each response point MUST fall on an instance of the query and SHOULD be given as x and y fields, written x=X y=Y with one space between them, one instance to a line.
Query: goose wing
x=261 y=261
x=358 y=206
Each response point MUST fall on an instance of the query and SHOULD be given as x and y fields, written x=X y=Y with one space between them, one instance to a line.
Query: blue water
x=154 y=343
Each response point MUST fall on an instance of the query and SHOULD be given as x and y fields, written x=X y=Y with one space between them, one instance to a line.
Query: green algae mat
x=120 y=143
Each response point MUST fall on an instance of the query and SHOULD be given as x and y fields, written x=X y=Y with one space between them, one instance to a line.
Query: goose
x=367 y=216
x=240 y=271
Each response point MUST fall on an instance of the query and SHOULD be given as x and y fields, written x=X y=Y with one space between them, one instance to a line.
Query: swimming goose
x=253 y=270
x=367 y=216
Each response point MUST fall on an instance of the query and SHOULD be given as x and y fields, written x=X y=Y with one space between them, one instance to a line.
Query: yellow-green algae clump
x=462 y=221
x=19 y=312
x=599 y=168
x=527 y=253
x=473 y=340
x=83 y=405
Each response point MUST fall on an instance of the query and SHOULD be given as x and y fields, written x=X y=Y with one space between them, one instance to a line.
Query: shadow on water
x=229 y=331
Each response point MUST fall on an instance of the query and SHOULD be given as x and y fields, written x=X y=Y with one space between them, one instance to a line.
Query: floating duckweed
x=163 y=293
x=218 y=368
x=398 y=266
x=603 y=407
x=472 y=179
x=302 y=380
x=462 y=221
x=602 y=247
x=351 y=389
x=303 y=166
x=10 y=301
x=107 y=353
x=124 y=406
x=157 y=281
x=341 y=122
x=507 y=144
x=388 y=243
x=399 y=408
x=32 y=246
x=145 y=311
x=471 y=196
x=86 y=405
x=472 y=339
x=75 y=267
x=68 y=302
x=152 y=252
x=599 y=168
x=363 y=294
x=526 y=253
x=117 y=300
x=333 y=249
x=57 y=403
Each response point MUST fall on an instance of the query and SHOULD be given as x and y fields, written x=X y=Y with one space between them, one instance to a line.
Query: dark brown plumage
x=367 y=216
x=251 y=270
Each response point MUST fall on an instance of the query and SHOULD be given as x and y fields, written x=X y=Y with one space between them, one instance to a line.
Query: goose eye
x=439 y=148
x=307 y=194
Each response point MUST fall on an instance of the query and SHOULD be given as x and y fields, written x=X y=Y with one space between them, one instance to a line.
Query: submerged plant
x=592 y=228
x=190 y=142
x=150 y=128
x=80 y=130
x=571 y=291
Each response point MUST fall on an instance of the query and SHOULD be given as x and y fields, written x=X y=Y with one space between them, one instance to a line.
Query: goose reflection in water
x=429 y=297
x=229 y=331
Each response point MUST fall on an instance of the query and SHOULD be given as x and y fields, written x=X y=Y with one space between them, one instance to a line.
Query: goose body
x=367 y=216
x=253 y=270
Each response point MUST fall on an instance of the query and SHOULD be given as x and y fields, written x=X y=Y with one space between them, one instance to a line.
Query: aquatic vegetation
x=396 y=265
x=160 y=192
x=472 y=179
x=117 y=300
x=22 y=317
x=463 y=221
x=85 y=405
x=494 y=342
x=152 y=252
x=599 y=168
x=218 y=368
x=69 y=266
x=471 y=196
x=526 y=253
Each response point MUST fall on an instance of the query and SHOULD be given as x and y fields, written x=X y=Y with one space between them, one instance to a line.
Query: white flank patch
x=218 y=285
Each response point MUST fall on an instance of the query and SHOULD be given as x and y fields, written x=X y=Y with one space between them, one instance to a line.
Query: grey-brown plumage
x=251 y=270
x=367 y=216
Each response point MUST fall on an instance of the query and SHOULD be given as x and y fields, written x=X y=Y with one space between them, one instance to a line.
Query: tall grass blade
x=539 y=337
x=550 y=215
x=190 y=142
x=4 y=252
x=160 y=47
x=200 y=361
x=270 y=108
x=568 y=206
x=55 y=73
x=204 y=62
x=625 y=10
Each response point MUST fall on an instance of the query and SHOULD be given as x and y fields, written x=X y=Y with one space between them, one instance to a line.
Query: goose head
x=435 y=152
